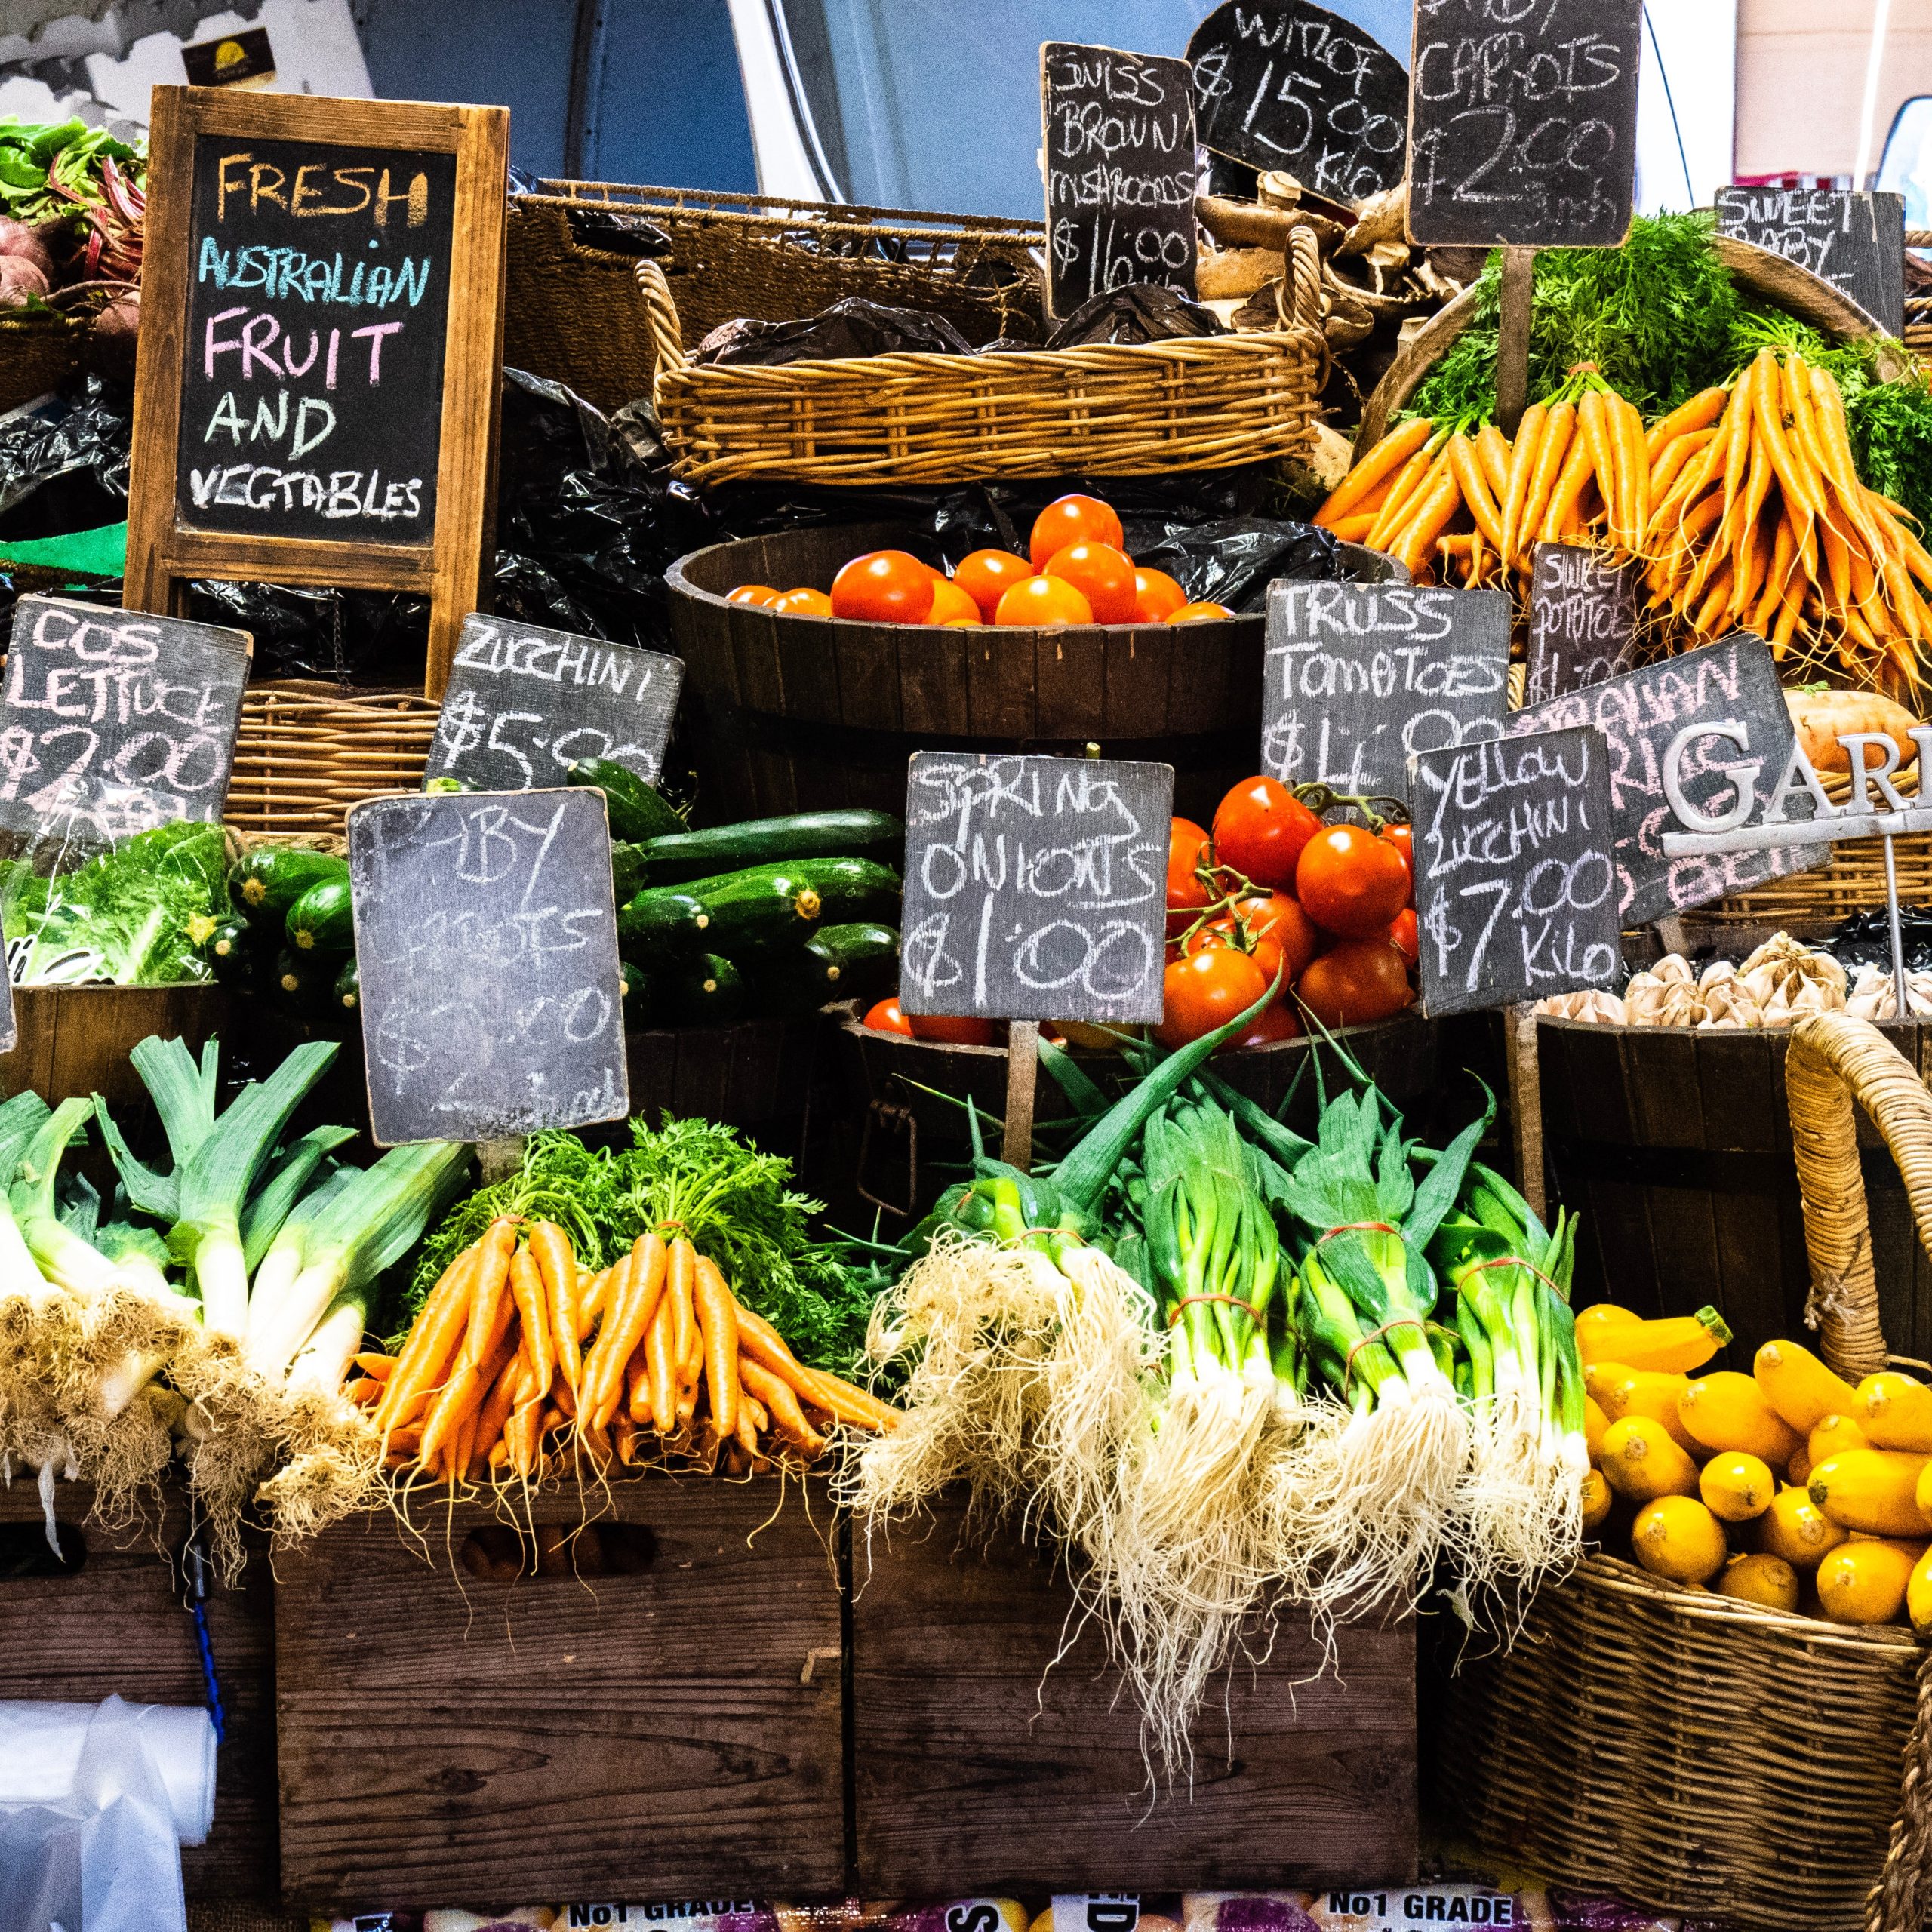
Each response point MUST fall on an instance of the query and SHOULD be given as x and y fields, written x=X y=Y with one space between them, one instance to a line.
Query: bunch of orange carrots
x=1744 y=506
x=520 y=1359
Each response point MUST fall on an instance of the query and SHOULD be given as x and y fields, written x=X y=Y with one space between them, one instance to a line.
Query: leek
x=66 y=1258
x=324 y=1362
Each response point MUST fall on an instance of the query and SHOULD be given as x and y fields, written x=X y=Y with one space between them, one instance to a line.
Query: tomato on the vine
x=1402 y=837
x=1205 y=990
x=953 y=1029
x=1351 y=882
x=1259 y=830
x=1188 y=894
x=1404 y=937
x=1356 y=982
x=1276 y=916
x=1263 y=948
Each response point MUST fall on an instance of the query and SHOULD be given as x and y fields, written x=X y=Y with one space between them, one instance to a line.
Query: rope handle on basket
x=1304 y=276
x=660 y=311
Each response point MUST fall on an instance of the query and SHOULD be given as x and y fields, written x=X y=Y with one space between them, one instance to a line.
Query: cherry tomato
x=1045 y=602
x=1259 y=830
x=952 y=604
x=953 y=1031
x=886 y=1018
x=1206 y=990
x=1402 y=837
x=1404 y=937
x=1351 y=882
x=1355 y=983
x=1277 y=918
x=1102 y=574
x=882 y=587
x=1273 y=1024
x=803 y=604
x=986 y=576
x=761 y=594
x=1073 y=519
x=1200 y=614
x=1187 y=892
x=1156 y=597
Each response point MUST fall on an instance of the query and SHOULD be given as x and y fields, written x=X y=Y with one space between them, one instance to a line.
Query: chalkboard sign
x=1639 y=713
x=1119 y=167
x=1360 y=676
x=1283 y=84
x=486 y=931
x=100 y=703
x=1515 y=887
x=1035 y=888
x=316 y=400
x=1582 y=618
x=1523 y=122
x=524 y=702
x=1854 y=241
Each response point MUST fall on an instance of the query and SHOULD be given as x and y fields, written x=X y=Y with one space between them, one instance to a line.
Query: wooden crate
x=977 y=1768
x=674 y=1732
x=117 y=1627
x=74 y=1040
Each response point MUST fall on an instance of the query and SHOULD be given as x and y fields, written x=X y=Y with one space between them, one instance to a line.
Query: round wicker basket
x=1700 y=1755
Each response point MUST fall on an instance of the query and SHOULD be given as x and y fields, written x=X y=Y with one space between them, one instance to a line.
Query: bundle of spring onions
x=522 y=1363
x=1221 y=1367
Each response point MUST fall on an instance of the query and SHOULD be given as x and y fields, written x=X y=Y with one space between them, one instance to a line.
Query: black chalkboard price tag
x=1582 y=618
x=1854 y=241
x=1120 y=167
x=1358 y=677
x=1733 y=679
x=1516 y=885
x=1285 y=84
x=317 y=396
x=101 y=703
x=1523 y=122
x=1035 y=888
x=486 y=932
x=524 y=702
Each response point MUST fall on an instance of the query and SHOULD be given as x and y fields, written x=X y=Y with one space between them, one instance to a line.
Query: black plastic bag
x=1866 y=939
x=1141 y=312
x=852 y=326
x=370 y=637
x=63 y=467
x=1233 y=561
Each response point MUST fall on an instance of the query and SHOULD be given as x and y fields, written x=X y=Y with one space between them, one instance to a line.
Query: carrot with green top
x=1523 y=456
x=526 y=1285
x=436 y=1338
x=556 y=1266
x=634 y=1301
x=494 y=1248
x=716 y=1309
x=1380 y=465
x=663 y=1370
x=1559 y=425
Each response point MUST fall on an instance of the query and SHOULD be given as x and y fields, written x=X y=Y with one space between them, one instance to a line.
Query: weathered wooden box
x=119 y=1626
x=649 y=1732
x=984 y=1760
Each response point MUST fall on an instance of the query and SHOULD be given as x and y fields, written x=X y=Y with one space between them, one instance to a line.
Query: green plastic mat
x=102 y=552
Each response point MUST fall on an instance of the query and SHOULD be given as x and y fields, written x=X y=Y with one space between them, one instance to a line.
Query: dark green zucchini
x=859 y=961
x=637 y=811
x=234 y=953
x=303 y=982
x=662 y=924
x=763 y=905
x=628 y=871
x=348 y=987
x=764 y=841
x=850 y=889
x=706 y=992
x=272 y=877
x=321 y=920
x=633 y=988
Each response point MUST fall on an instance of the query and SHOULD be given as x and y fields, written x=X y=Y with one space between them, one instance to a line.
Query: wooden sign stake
x=1512 y=342
x=1526 y=1101
x=1023 y=1072
x=1898 y=939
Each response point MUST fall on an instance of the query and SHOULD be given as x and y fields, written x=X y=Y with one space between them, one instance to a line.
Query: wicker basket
x=1697 y=1754
x=1195 y=403
x=306 y=751
x=37 y=352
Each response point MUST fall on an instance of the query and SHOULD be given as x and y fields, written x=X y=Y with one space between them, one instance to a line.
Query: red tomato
x=1199 y=613
x=804 y=603
x=1156 y=597
x=1402 y=837
x=1404 y=937
x=986 y=576
x=1206 y=990
x=1045 y=602
x=1351 y=882
x=952 y=604
x=1259 y=830
x=1270 y=1026
x=761 y=594
x=1263 y=948
x=1187 y=892
x=1277 y=918
x=1074 y=519
x=951 y=1031
x=886 y=1018
x=882 y=587
x=1102 y=574
x=1357 y=982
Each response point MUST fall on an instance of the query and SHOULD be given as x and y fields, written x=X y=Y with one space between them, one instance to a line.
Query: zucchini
x=627 y=869
x=234 y=953
x=860 y=962
x=321 y=920
x=348 y=987
x=637 y=810
x=763 y=841
x=707 y=992
x=302 y=981
x=448 y=782
x=272 y=877
x=850 y=889
x=633 y=990
x=661 y=922
x=763 y=905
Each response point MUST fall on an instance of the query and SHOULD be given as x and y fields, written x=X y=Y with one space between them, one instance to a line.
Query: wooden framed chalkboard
x=1854 y=241
x=321 y=336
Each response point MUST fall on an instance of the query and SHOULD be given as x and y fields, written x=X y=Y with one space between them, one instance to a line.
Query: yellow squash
x=1833 y=1436
x=1769 y=1580
x=1678 y=1343
x=1895 y=1412
x=1727 y=1410
x=1798 y=1470
x=1598 y=1497
x=1799 y=1386
x=1641 y=1462
x=1594 y=1422
x=1737 y=1487
x=1865 y=1583
x=1918 y=1595
x=1873 y=1490
x=1795 y=1528
x=1676 y=1536
x=1623 y=1391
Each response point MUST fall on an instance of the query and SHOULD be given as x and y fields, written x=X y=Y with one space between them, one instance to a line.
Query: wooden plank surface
x=977 y=1768
x=645 y=1736
x=117 y=1627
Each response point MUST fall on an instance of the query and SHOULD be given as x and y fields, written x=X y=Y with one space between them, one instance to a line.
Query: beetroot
x=113 y=338
x=20 y=241
x=20 y=280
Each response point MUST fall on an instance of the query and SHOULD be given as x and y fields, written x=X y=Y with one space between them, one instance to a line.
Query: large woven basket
x=1700 y=1755
x=1194 y=403
x=307 y=750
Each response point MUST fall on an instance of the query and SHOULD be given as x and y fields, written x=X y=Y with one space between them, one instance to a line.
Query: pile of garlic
x=1781 y=983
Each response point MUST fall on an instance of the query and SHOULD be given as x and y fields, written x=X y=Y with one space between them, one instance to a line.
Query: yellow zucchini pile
x=1787 y=1487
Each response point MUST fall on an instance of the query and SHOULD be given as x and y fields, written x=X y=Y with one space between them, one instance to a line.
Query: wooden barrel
x=794 y=713
x=1674 y=1145
x=75 y=1040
